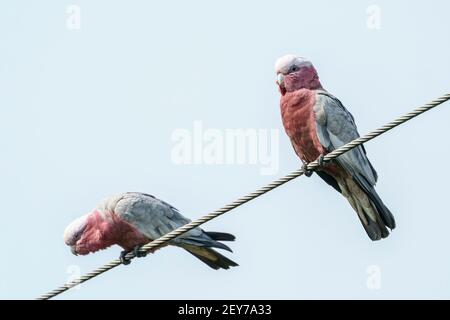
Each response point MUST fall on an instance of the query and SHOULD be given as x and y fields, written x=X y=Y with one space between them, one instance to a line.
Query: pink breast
x=118 y=231
x=130 y=236
x=300 y=123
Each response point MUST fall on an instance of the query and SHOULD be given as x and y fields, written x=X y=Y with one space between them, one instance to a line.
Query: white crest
x=284 y=63
x=74 y=227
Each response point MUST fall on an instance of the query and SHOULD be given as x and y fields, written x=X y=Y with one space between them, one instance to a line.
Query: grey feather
x=336 y=127
x=385 y=214
x=211 y=257
x=154 y=218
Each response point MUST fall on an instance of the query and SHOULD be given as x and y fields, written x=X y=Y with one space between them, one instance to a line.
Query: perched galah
x=132 y=219
x=317 y=123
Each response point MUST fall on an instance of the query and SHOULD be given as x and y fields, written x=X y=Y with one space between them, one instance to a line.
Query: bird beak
x=280 y=80
x=73 y=249
x=280 y=83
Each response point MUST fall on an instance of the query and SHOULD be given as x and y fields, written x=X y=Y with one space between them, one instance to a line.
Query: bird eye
x=294 y=68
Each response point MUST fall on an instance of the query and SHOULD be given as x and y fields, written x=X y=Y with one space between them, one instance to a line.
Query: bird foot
x=321 y=161
x=306 y=171
x=123 y=259
x=138 y=253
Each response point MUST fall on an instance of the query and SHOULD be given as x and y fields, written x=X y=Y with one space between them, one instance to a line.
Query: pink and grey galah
x=133 y=219
x=317 y=123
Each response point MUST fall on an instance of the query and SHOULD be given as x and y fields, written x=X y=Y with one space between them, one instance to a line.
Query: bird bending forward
x=133 y=219
x=317 y=123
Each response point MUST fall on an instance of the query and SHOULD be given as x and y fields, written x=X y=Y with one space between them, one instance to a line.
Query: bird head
x=74 y=234
x=294 y=73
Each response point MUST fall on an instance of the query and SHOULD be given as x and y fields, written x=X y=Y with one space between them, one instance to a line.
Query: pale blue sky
x=89 y=113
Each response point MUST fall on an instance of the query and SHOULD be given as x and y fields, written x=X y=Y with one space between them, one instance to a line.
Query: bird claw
x=306 y=171
x=138 y=253
x=123 y=259
x=321 y=160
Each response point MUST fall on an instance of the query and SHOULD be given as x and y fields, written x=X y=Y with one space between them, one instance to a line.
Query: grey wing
x=336 y=127
x=152 y=217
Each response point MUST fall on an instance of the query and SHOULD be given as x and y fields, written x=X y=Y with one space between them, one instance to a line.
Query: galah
x=133 y=219
x=318 y=123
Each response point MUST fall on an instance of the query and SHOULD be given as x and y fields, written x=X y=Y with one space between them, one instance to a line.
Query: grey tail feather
x=205 y=242
x=375 y=231
x=221 y=236
x=210 y=257
x=378 y=228
x=385 y=214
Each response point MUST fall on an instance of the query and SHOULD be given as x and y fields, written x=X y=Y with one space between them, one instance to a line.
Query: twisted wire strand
x=312 y=166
